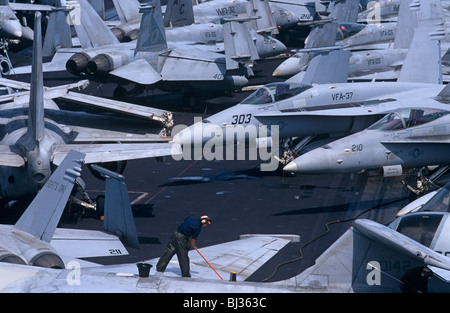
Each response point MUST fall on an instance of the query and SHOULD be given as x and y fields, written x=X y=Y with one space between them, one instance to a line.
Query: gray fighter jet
x=359 y=38
x=35 y=240
x=407 y=138
x=37 y=135
x=336 y=109
x=10 y=26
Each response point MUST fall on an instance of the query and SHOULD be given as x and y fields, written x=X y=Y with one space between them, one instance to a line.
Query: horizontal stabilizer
x=78 y=243
x=44 y=212
x=99 y=153
x=139 y=71
x=204 y=67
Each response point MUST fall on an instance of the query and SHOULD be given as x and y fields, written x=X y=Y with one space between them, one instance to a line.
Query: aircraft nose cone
x=289 y=67
x=313 y=162
x=12 y=29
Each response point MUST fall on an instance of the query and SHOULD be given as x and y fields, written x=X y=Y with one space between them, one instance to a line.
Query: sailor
x=180 y=242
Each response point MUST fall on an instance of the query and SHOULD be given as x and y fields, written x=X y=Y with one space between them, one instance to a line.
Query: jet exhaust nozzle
x=119 y=33
x=9 y=257
x=131 y=35
x=100 y=64
x=77 y=63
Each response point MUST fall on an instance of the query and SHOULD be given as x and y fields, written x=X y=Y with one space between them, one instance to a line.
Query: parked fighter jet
x=407 y=138
x=151 y=63
x=37 y=135
x=35 y=240
x=382 y=64
x=10 y=26
x=337 y=109
x=181 y=28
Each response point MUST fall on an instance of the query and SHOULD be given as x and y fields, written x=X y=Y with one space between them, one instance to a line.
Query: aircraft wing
x=139 y=71
x=401 y=243
x=79 y=243
x=30 y=7
x=193 y=65
x=243 y=256
x=148 y=113
x=99 y=153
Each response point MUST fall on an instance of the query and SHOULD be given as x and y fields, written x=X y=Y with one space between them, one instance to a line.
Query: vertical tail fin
x=266 y=21
x=239 y=45
x=406 y=25
x=152 y=36
x=425 y=49
x=179 y=13
x=58 y=34
x=118 y=215
x=86 y=20
x=36 y=114
x=128 y=11
x=345 y=11
x=43 y=214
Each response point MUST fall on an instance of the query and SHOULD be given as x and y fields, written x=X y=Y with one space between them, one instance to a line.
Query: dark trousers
x=180 y=245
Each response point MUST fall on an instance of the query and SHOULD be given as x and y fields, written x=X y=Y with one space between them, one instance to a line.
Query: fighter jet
x=37 y=135
x=35 y=239
x=359 y=38
x=10 y=26
x=334 y=109
x=182 y=29
x=407 y=138
x=369 y=65
x=149 y=62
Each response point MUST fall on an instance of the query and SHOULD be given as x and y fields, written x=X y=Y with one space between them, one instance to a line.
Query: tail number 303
x=241 y=119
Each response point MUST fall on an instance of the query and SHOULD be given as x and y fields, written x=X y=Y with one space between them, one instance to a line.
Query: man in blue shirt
x=180 y=242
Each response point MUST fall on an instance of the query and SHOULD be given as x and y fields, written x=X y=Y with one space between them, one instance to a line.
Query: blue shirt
x=191 y=227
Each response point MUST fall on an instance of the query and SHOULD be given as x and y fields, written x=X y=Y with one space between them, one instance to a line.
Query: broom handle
x=208 y=263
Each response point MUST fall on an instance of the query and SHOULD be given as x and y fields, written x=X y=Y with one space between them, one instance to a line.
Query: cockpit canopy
x=440 y=202
x=406 y=118
x=420 y=227
x=346 y=30
x=274 y=92
x=423 y=225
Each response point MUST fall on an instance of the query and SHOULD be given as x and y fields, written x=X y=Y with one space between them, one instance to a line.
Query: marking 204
x=241 y=119
x=342 y=96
